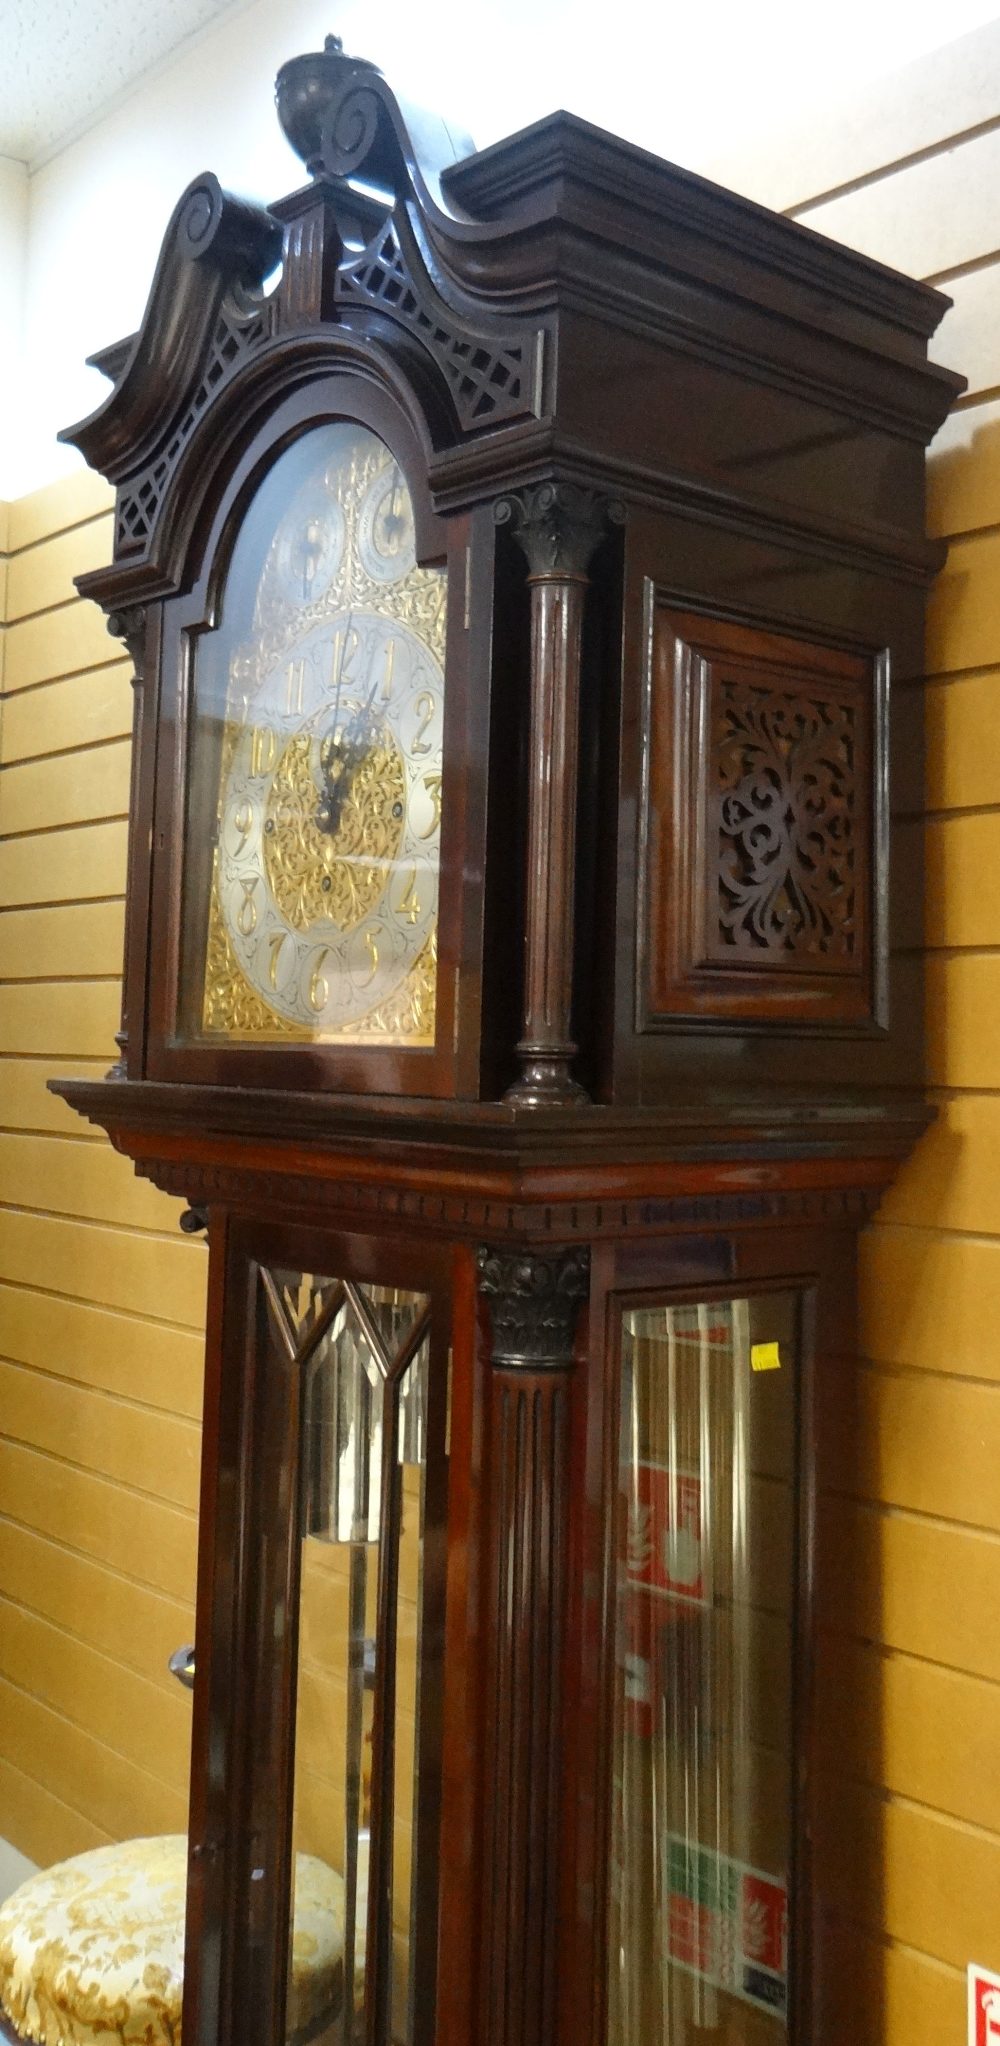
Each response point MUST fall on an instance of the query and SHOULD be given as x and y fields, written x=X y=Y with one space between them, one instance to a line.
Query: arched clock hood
x=470 y=287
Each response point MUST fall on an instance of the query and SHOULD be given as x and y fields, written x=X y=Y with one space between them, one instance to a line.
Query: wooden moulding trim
x=571 y=1202
x=459 y=476
x=561 y=147
x=575 y=1194
x=453 y=1133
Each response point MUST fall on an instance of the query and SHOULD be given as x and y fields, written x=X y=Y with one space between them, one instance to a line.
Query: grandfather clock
x=517 y=557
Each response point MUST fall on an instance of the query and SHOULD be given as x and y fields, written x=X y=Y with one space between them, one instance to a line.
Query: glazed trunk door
x=314 y=1875
x=703 y=1860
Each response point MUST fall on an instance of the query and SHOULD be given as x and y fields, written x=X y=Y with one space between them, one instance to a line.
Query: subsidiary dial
x=386 y=539
x=310 y=547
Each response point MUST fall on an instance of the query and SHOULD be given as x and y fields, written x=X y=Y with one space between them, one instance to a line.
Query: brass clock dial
x=323 y=892
x=330 y=822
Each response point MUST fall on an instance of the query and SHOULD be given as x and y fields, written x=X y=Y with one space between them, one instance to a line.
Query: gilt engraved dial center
x=323 y=910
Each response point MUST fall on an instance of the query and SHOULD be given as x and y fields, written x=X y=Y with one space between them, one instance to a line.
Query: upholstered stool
x=92 y=1951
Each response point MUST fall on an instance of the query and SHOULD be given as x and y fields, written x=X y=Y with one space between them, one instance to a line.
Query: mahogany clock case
x=745 y=450
x=670 y=449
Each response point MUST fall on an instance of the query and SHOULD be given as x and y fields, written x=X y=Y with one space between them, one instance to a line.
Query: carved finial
x=331 y=116
x=535 y=1297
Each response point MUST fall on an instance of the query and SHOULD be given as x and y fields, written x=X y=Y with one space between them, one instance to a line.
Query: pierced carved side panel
x=764 y=872
x=784 y=818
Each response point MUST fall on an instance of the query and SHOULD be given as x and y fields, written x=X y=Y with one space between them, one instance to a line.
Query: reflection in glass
x=363 y=1354
x=705 y=1602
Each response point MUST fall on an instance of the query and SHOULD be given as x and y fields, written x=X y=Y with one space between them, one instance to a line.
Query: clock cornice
x=459 y=288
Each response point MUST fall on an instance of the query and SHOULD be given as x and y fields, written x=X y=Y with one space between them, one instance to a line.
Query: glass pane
x=364 y=1356
x=314 y=795
x=412 y=1456
x=705 y=1613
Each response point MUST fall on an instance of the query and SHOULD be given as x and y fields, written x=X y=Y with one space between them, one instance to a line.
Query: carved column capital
x=558 y=525
x=129 y=624
x=535 y=1298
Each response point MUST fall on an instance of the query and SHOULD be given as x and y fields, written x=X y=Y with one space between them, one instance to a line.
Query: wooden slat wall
x=101 y=1300
x=909 y=1676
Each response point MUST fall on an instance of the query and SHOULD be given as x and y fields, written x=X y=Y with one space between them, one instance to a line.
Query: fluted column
x=534 y=1301
x=558 y=526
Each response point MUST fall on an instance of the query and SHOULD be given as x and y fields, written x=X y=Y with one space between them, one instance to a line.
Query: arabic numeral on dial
x=346 y=642
x=371 y=948
x=319 y=987
x=275 y=946
x=409 y=902
x=432 y=789
x=294 y=688
x=246 y=920
x=262 y=750
x=242 y=823
x=390 y=658
x=424 y=711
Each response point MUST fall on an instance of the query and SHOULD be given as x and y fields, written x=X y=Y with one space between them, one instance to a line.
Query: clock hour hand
x=340 y=759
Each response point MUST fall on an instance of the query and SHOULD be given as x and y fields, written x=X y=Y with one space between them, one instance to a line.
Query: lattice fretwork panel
x=489 y=377
x=138 y=503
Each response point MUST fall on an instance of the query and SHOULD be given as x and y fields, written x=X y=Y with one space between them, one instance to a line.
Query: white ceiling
x=675 y=79
x=65 y=61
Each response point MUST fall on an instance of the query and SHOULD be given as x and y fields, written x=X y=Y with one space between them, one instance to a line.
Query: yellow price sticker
x=765 y=1357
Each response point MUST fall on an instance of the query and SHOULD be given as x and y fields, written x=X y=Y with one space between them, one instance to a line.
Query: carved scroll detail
x=765 y=837
x=785 y=822
x=130 y=625
x=558 y=525
x=338 y=115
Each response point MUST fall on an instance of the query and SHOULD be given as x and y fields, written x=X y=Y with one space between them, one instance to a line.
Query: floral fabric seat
x=92 y=1950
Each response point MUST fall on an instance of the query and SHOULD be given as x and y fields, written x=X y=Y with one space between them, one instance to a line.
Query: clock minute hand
x=332 y=800
x=346 y=754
